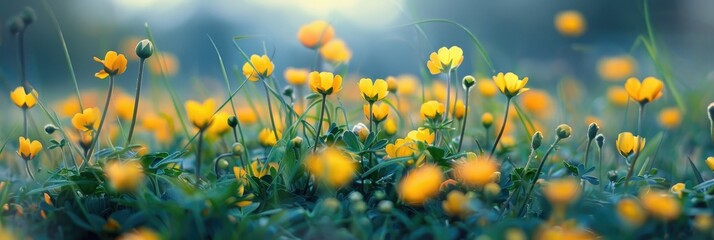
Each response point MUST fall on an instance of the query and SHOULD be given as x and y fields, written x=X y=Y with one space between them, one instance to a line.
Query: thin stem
x=448 y=95
x=24 y=122
x=29 y=172
x=503 y=126
x=95 y=139
x=136 y=102
x=235 y=134
x=270 y=110
x=198 y=157
x=535 y=177
x=215 y=163
x=599 y=153
x=587 y=153
x=530 y=157
x=637 y=146
x=319 y=123
x=463 y=122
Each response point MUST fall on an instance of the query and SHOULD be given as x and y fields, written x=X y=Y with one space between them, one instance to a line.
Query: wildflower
x=266 y=137
x=336 y=51
x=325 y=83
x=113 y=63
x=670 y=117
x=160 y=126
x=124 y=105
x=421 y=134
x=487 y=119
x=617 y=96
x=259 y=169
x=562 y=191
x=537 y=102
x=476 y=171
x=164 y=64
x=402 y=147
x=258 y=67
x=627 y=144
x=140 y=234
x=660 y=205
x=678 y=189
x=647 y=91
x=333 y=166
x=445 y=60
x=408 y=85
x=459 y=110
x=509 y=84
x=200 y=114
x=237 y=149
x=47 y=199
x=220 y=125
x=361 y=131
x=22 y=98
x=487 y=88
x=28 y=149
x=86 y=120
x=432 y=110
x=420 y=185
x=296 y=76
x=631 y=211
x=570 y=23
x=85 y=139
x=373 y=91
x=124 y=176
x=468 y=81
x=710 y=163
x=392 y=84
x=390 y=127
x=315 y=34
x=456 y=204
x=379 y=112
x=616 y=68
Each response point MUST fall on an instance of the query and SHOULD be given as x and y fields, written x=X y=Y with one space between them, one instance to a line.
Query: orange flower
x=315 y=34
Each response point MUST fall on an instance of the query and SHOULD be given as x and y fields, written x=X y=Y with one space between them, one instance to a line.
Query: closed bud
x=237 y=149
x=288 y=91
x=469 y=81
x=50 y=129
x=297 y=142
x=361 y=131
x=223 y=164
x=537 y=140
x=612 y=175
x=487 y=119
x=379 y=194
x=144 y=49
x=385 y=206
x=15 y=24
x=600 y=140
x=28 y=16
x=355 y=197
x=563 y=131
x=592 y=131
x=233 y=121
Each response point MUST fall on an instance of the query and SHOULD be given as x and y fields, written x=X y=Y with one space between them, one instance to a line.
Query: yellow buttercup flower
x=373 y=91
x=259 y=67
x=616 y=68
x=336 y=51
x=333 y=166
x=562 y=191
x=456 y=204
x=570 y=23
x=258 y=167
x=617 y=96
x=379 y=112
x=509 y=84
x=432 y=110
x=315 y=34
x=420 y=185
x=678 y=188
x=113 y=63
x=459 y=110
x=660 y=205
x=445 y=60
x=296 y=76
x=670 y=117
x=402 y=147
x=124 y=176
x=627 y=144
x=475 y=171
x=160 y=126
x=486 y=87
x=124 y=106
x=28 y=149
x=390 y=126
x=22 y=98
x=710 y=163
x=266 y=137
x=422 y=134
x=647 y=91
x=86 y=120
x=631 y=211
x=408 y=85
x=325 y=83
x=200 y=115
x=220 y=125
x=392 y=84
x=537 y=102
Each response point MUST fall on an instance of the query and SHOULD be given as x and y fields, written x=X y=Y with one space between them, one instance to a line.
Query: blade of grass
x=697 y=174
x=525 y=120
x=66 y=52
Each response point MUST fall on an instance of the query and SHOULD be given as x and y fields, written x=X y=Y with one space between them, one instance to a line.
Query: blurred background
x=519 y=35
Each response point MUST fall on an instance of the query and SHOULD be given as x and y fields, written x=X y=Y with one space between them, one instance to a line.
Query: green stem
x=270 y=110
x=448 y=96
x=319 y=123
x=587 y=153
x=136 y=102
x=599 y=153
x=535 y=177
x=29 y=172
x=95 y=139
x=637 y=146
x=463 y=122
x=198 y=157
x=503 y=127
x=24 y=122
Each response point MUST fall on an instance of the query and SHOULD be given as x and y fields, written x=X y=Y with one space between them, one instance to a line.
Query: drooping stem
x=136 y=102
x=637 y=146
x=95 y=139
x=198 y=157
x=503 y=127
x=29 y=172
x=270 y=110
x=535 y=177
x=463 y=122
x=319 y=123
x=215 y=163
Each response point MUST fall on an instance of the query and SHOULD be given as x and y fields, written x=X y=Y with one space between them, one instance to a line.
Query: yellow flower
x=445 y=60
x=22 y=99
x=475 y=171
x=710 y=163
x=678 y=188
x=459 y=110
x=647 y=91
x=336 y=51
x=140 y=234
x=315 y=34
x=266 y=137
x=85 y=139
x=161 y=126
x=432 y=109
x=47 y=199
x=258 y=167
x=670 y=117
x=390 y=126
x=258 y=67
x=372 y=92
x=246 y=116
x=562 y=191
x=487 y=119
x=509 y=84
x=456 y=204
x=200 y=115
x=703 y=222
x=28 y=149
x=537 y=102
x=333 y=166
x=616 y=68
x=627 y=144
x=402 y=147
x=296 y=76
x=570 y=23
x=631 y=211
x=379 y=111
x=660 y=205
x=124 y=176
x=617 y=96
x=113 y=63
x=220 y=125
x=408 y=85
x=86 y=120
x=163 y=64
x=325 y=83
x=124 y=106
x=486 y=87
x=420 y=185
x=422 y=135
x=392 y=84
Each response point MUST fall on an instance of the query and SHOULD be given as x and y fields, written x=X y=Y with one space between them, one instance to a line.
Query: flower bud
x=297 y=142
x=28 y=16
x=385 y=206
x=537 y=140
x=379 y=194
x=50 y=129
x=332 y=204
x=469 y=81
x=223 y=164
x=237 y=149
x=563 y=131
x=600 y=140
x=361 y=131
x=487 y=119
x=359 y=207
x=592 y=131
x=15 y=24
x=355 y=197
x=144 y=49
x=233 y=121
x=288 y=91
x=612 y=175
x=492 y=189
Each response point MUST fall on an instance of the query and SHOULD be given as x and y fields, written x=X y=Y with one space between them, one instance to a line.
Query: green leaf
x=697 y=174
